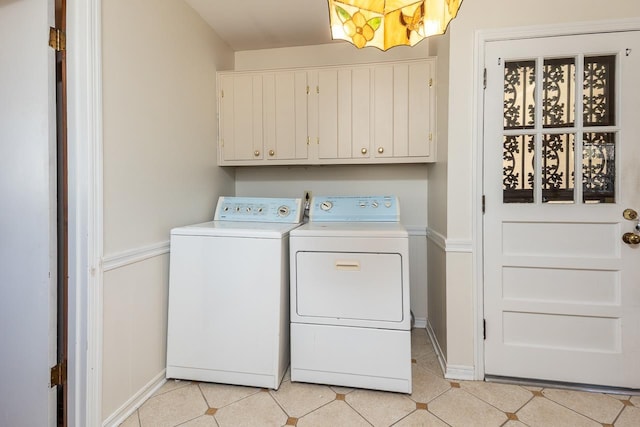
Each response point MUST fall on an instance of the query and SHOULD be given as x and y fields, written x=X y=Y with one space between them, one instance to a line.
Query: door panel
x=28 y=219
x=561 y=288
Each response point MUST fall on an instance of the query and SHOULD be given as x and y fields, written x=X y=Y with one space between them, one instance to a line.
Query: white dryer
x=229 y=294
x=350 y=311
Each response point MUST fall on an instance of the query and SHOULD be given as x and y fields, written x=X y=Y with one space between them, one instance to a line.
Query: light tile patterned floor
x=434 y=402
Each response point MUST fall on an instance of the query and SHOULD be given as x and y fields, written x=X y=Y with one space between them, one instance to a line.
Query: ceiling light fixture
x=388 y=23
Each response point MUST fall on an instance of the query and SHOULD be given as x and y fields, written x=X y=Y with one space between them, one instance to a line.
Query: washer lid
x=247 y=229
x=351 y=229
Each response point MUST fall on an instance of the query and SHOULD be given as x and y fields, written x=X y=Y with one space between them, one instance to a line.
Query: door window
x=544 y=126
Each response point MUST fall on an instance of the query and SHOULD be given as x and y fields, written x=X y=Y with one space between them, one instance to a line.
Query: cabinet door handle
x=271 y=153
x=363 y=151
x=256 y=153
x=380 y=150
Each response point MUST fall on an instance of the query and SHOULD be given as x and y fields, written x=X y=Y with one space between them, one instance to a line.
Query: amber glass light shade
x=388 y=23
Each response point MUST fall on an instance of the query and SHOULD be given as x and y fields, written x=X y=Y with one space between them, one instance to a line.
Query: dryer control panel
x=259 y=209
x=354 y=209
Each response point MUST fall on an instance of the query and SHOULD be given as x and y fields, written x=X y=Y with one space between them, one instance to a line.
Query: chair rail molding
x=132 y=256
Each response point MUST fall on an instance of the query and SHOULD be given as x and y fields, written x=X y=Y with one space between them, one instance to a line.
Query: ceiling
x=265 y=24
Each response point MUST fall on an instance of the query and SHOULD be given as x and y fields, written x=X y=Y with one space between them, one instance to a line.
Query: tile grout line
x=271 y=393
x=533 y=395
x=571 y=409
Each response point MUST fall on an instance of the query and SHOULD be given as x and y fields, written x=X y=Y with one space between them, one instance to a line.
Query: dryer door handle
x=347 y=265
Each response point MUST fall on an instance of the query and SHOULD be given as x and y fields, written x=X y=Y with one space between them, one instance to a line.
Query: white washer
x=229 y=294
x=350 y=312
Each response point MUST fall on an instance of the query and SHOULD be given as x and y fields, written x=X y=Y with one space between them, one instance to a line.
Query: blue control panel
x=259 y=209
x=354 y=209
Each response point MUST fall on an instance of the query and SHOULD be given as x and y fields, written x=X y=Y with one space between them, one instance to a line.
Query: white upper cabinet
x=404 y=111
x=373 y=113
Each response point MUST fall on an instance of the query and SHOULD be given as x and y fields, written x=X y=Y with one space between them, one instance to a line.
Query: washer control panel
x=259 y=209
x=354 y=209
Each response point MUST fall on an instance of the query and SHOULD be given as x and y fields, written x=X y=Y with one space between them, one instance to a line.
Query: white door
x=27 y=217
x=561 y=288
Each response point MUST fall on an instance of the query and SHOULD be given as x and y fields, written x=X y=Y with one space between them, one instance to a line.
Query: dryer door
x=343 y=287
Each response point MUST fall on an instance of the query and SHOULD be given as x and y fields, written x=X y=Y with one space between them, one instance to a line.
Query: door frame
x=84 y=122
x=62 y=312
x=482 y=37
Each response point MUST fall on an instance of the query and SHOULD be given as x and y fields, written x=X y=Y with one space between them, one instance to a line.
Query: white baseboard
x=451 y=372
x=460 y=372
x=436 y=347
x=135 y=401
x=420 y=322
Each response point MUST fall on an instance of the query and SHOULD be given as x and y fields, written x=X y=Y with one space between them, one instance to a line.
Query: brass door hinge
x=57 y=39
x=59 y=374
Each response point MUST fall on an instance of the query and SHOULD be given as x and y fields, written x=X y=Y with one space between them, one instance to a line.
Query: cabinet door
x=383 y=110
x=360 y=112
x=403 y=110
x=328 y=114
x=344 y=113
x=241 y=133
x=285 y=115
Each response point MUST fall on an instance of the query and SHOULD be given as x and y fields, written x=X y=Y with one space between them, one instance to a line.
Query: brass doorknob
x=630 y=214
x=271 y=152
x=256 y=153
x=363 y=151
x=380 y=150
x=631 y=238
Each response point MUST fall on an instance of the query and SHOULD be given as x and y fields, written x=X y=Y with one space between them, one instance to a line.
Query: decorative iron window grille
x=519 y=95
x=599 y=107
x=518 y=168
x=598 y=167
x=558 y=161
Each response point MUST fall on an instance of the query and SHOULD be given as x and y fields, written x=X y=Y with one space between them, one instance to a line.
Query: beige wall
x=437 y=200
x=159 y=120
x=160 y=130
x=478 y=15
x=437 y=294
x=408 y=182
x=437 y=208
